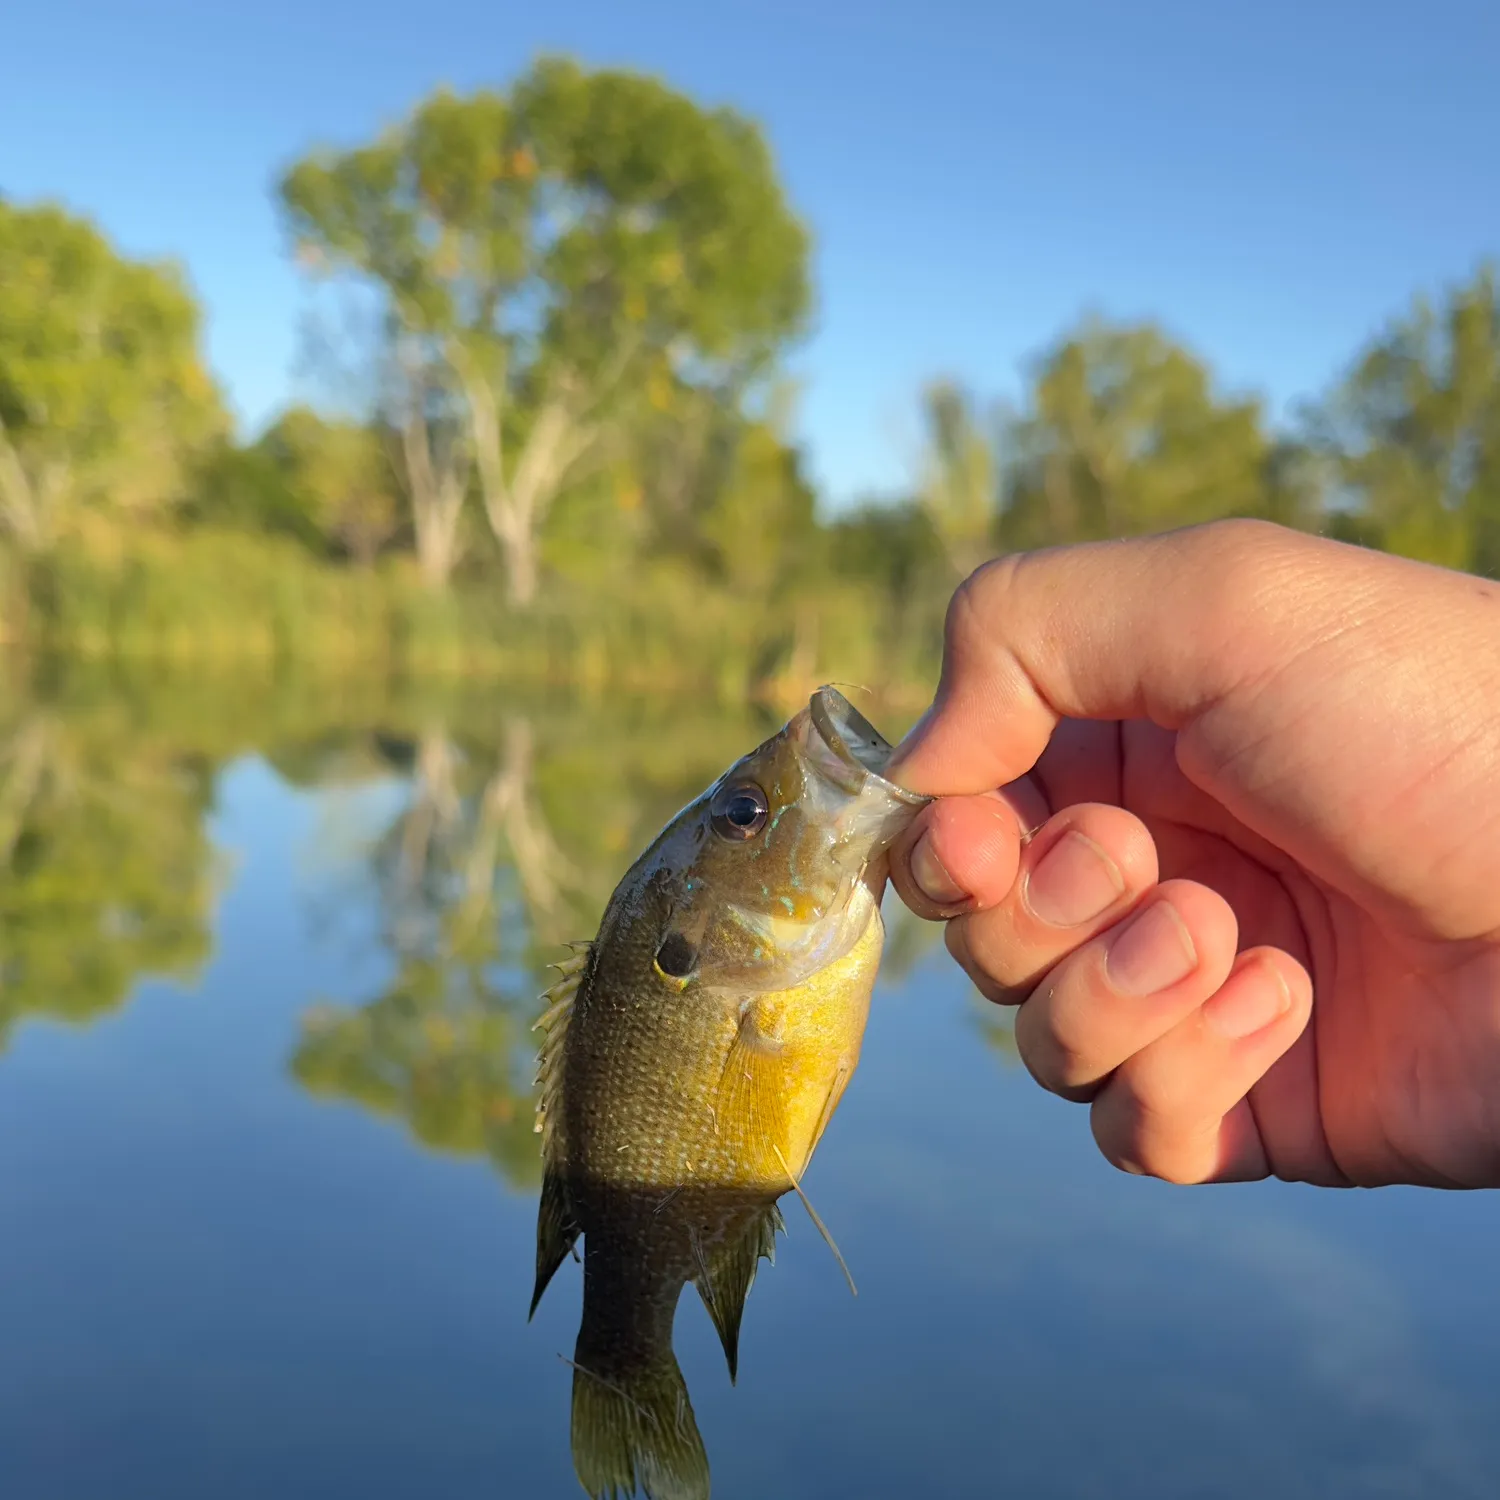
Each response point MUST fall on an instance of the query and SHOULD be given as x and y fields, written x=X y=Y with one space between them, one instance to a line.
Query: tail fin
x=633 y=1429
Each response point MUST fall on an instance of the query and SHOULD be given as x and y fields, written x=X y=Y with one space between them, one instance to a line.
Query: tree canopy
x=1123 y=432
x=539 y=256
x=104 y=398
x=1413 y=431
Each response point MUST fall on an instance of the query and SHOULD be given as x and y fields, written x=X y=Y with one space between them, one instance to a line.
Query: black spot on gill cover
x=676 y=956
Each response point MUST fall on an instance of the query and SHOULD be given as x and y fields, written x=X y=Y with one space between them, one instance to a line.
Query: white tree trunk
x=437 y=494
x=516 y=505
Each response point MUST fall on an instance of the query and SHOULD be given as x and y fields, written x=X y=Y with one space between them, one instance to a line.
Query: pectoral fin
x=727 y=1273
x=753 y=1084
x=835 y=1092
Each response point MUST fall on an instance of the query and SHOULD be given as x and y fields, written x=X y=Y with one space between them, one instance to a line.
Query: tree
x=1413 y=431
x=759 y=523
x=1124 y=433
x=538 y=256
x=104 y=399
x=960 y=481
x=340 y=473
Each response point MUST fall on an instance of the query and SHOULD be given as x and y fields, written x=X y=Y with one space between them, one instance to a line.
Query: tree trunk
x=521 y=564
x=436 y=503
x=516 y=506
x=27 y=504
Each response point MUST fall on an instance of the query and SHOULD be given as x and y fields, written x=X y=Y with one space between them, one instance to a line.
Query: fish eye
x=739 y=812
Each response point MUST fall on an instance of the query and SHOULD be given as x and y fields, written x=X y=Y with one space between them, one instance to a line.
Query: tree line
x=552 y=319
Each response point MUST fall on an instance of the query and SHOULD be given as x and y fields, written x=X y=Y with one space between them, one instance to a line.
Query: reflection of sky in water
x=211 y=1283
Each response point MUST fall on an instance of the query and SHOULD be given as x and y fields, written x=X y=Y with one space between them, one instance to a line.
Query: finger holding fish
x=1026 y=906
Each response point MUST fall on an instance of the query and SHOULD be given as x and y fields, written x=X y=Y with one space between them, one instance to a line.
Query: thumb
x=1159 y=627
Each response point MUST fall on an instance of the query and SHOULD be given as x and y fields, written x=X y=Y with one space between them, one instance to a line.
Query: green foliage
x=582 y=285
x=539 y=255
x=658 y=220
x=1413 y=432
x=104 y=400
x=1123 y=434
x=216 y=597
x=960 y=485
x=890 y=552
x=759 y=524
x=339 y=475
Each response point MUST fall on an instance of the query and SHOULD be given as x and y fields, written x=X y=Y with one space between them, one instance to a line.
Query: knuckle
x=981 y=605
x=1240 y=572
x=956 y=940
x=984 y=942
x=983 y=589
x=1055 y=1060
x=1137 y=1138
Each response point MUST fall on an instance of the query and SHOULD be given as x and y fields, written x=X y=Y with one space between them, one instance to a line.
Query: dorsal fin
x=727 y=1272
x=556 y=1228
x=553 y=1024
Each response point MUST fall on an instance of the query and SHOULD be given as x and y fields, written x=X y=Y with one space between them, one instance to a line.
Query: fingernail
x=1248 y=1003
x=1152 y=952
x=931 y=877
x=1073 y=881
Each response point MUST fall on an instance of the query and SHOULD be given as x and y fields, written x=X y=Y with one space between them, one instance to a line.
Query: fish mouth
x=860 y=749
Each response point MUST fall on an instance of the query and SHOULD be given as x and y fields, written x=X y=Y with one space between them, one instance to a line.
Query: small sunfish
x=694 y=1053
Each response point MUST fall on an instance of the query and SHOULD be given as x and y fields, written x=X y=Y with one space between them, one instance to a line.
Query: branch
x=484 y=422
x=18 y=502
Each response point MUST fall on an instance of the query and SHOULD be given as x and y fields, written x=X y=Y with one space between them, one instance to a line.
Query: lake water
x=268 y=956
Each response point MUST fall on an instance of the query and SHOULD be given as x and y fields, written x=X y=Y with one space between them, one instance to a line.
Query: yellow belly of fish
x=791 y=1059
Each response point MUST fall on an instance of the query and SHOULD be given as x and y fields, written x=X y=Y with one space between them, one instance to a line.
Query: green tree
x=1413 y=432
x=759 y=523
x=891 y=550
x=540 y=255
x=104 y=398
x=960 y=481
x=341 y=476
x=1124 y=433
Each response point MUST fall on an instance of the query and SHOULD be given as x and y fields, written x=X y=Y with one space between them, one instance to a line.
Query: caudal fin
x=634 y=1432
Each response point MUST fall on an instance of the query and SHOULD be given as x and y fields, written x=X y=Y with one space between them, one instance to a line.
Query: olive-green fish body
x=694 y=1055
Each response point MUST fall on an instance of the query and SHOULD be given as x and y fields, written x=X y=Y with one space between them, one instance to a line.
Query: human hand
x=1221 y=812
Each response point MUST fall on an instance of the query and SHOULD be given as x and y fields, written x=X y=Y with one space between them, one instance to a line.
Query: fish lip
x=857 y=744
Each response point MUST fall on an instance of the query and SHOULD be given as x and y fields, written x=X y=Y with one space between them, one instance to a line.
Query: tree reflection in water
x=107 y=874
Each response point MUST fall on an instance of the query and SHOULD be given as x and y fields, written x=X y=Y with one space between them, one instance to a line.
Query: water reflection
x=471 y=888
x=217 y=1261
x=106 y=871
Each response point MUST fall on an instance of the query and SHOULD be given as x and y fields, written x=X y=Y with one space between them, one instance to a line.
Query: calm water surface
x=267 y=1178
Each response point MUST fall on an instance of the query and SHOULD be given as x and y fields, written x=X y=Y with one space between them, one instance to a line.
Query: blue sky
x=1272 y=181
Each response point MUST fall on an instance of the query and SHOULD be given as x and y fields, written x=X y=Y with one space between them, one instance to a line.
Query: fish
x=693 y=1055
